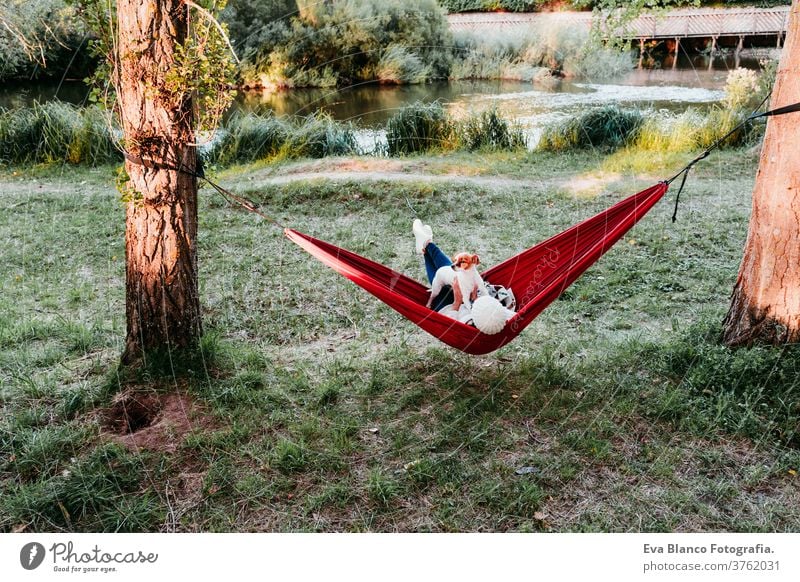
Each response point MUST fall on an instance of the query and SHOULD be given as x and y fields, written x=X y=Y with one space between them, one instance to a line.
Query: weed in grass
x=379 y=380
x=422 y=472
x=289 y=456
x=43 y=451
x=342 y=436
x=383 y=488
x=334 y=495
x=75 y=401
x=588 y=444
x=220 y=479
x=519 y=497
x=327 y=396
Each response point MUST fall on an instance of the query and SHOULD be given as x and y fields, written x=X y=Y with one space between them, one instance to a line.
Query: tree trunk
x=162 y=300
x=765 y=305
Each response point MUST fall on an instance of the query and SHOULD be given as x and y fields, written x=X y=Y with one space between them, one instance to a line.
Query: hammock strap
x=199 y=173
x=795 y=107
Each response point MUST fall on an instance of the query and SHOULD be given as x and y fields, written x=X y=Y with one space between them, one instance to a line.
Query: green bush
x=55 y=40
x=349 y=42
x=493 y=5
x=254 y=23
x=419 y=127
x=532 y=54
x=605 y=127
x=56 y=132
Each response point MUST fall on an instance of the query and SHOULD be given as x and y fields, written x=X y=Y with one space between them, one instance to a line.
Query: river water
x=696 y=82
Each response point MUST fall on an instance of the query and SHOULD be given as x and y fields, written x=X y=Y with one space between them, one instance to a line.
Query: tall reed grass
x=489 y=131
x=250 y=137
x=422 y=127
x=56 y=132
x=399 y=66
x=534 y=55
x=693 y=130
x=246 y=138
x=607 y=127
x=419 y=127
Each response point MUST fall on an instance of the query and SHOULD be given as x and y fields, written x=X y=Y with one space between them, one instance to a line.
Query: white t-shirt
x=464 y=313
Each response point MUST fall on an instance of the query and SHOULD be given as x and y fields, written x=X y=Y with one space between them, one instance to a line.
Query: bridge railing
x=678 y=23
x=711 y=23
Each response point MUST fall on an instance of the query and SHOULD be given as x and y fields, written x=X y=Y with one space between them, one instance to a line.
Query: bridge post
x=712 y=53
x=641 y=52
x=738 y=53
x=677 y=50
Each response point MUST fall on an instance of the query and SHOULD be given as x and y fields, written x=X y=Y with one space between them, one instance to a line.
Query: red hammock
x=537 y=276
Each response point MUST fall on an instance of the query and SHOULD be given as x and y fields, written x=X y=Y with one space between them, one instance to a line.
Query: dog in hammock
x=462 y=276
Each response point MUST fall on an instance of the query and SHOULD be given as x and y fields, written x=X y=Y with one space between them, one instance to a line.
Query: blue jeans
x=435 y=259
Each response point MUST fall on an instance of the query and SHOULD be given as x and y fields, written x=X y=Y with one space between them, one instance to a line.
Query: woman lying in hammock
x=455 y=284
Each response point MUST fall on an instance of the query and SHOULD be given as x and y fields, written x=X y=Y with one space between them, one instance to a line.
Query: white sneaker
x=423 y=234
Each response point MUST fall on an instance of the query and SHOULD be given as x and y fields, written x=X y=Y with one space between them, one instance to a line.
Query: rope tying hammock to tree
x=537 y=275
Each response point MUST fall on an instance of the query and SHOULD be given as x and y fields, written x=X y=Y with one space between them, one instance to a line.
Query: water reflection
x=370 y=105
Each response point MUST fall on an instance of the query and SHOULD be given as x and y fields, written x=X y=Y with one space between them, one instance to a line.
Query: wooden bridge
x=711 y=24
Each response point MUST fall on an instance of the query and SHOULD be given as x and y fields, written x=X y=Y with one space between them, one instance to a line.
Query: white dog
x=463 y=277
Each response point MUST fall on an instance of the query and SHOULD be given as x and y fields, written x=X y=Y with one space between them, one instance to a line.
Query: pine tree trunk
x=765 y=305
x=162 y=300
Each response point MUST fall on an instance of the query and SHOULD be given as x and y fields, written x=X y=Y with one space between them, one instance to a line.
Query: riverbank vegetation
x=286 y=43
x=60 y=133
x=613 y=127
x=350 y=42
x=359 y=41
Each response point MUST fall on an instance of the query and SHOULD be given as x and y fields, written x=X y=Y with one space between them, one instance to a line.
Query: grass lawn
x=317 y=408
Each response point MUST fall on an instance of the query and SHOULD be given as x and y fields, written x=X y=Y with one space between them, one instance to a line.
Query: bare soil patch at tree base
x=151 y=421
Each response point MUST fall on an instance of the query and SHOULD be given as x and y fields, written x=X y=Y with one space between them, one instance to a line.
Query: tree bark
x=765 y=304
x=162 y=299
